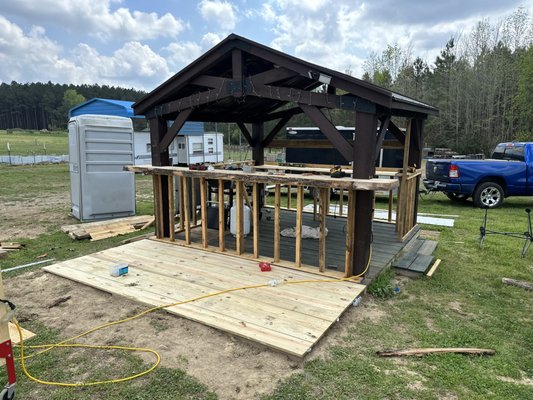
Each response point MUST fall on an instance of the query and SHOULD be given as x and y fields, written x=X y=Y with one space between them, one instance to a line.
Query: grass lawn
x=23 y=143
x=463 y=305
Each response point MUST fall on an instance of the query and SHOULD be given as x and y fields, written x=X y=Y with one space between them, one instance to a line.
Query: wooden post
x=350 y=225
x=364 y=168
x=277 y=205
x=289 y=192
x=391 y=205
x=322 y=239
x=404 y=188
x=256 y=210
x=299 y=215
x=186 y=208
x=221 y=216
x=341 y=202
x=157 y=206
x=239 y=242
x=181 y=204
x=171 y=207
x=160 y=157
x=203 y=210
x=194 y=205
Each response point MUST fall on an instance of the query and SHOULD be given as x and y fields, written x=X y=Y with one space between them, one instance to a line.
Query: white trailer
x=99 y=147
x=184 y=149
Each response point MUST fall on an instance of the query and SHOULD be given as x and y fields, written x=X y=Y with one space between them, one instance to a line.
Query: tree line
x=45 y=105
x=482 y=83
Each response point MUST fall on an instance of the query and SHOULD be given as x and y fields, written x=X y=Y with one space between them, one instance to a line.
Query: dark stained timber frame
x=244 y=82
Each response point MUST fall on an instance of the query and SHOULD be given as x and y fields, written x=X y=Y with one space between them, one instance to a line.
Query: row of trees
x=46 y=105
x=482 y=83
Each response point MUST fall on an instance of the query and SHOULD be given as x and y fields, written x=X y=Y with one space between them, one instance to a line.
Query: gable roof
x=294 y=74
x=99 y=106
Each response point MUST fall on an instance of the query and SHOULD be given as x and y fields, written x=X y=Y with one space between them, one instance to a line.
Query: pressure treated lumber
x=290 y=318
x=265 y=177
x=426 y=351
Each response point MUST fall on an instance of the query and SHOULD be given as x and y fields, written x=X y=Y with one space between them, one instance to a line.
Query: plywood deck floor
x=289 y=317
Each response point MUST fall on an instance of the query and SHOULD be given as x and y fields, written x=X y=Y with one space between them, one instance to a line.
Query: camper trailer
x=208 y=148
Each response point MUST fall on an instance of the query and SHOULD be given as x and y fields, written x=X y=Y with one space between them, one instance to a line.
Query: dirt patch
x=524 y=380
x=30 y=218
x=202 y=352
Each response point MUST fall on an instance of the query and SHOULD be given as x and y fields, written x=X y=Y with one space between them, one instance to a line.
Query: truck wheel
x=488 y=195
x=459 y=197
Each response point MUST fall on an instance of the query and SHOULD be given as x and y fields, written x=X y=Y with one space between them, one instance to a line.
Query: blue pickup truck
x=509 y=172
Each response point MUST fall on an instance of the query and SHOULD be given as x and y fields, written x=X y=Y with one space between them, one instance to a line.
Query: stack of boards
x=6 y=247
x=106 y=229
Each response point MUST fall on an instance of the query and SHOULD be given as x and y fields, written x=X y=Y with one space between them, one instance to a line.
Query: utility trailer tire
x=488 y=195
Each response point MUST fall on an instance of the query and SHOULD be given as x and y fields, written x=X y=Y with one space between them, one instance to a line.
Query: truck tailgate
x=437 y=170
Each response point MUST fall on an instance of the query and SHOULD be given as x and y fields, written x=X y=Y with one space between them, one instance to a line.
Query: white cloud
x=34 y=57
x=210 y=39
x=219 y=12
x=96 y=18
x=181 y=54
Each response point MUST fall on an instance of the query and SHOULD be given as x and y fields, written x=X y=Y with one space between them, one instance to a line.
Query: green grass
x=24 y=143
x=463 y=305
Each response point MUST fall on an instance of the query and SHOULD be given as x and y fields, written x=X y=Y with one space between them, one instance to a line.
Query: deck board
x=290 y=317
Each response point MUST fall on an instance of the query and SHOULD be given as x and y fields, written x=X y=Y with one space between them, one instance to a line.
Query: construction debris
x=106 y=229
x=9 y=246
x=521 y=284
x=423 y=352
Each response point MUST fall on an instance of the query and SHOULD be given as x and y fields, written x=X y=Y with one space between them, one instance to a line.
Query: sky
x=141 y=43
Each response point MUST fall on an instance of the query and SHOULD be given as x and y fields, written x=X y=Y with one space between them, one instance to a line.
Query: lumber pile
x=6 y=247
x=105 y=229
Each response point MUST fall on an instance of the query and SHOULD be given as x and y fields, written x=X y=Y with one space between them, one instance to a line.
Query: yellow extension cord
x=65 y=343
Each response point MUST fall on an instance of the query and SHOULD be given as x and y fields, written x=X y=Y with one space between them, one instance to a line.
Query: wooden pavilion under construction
x=252 y=85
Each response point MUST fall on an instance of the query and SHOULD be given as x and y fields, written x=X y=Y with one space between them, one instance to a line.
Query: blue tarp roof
x=119 y=108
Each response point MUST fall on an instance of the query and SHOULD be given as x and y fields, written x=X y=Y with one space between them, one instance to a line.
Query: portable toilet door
x=99 y=148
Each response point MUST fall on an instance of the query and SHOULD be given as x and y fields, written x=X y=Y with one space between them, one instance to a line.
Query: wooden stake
x=299 y=215
x=171 y=208
x=350 y=225
x=203 y=211
x=277 y=205
x=322 y=239
x=221 y=216
x=256 y=210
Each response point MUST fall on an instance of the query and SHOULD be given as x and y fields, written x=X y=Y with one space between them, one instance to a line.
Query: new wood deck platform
x=290 y=317
x=385 y=246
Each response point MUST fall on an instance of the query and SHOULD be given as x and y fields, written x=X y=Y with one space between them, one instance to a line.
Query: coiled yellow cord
x=66 y=343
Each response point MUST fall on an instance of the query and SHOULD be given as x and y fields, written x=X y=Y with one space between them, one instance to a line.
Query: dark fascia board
x=363 y=89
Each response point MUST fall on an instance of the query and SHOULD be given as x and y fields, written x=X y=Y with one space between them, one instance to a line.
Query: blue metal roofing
x=119 y=108
x=122 y=108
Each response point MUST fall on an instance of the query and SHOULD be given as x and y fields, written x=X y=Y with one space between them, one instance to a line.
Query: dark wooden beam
x=283 y=113
x=237 y=69
x=281 y=123
x=175 y=127
x=258 y=153
x=332 y=90
x=245 y=133
x=192 y=101
x=160 y=157
x=212 y=82
x=328 y=129
x=364 y=167
x=304 y=144
x=381 y=135
x=271 y=76
x=397 y=133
